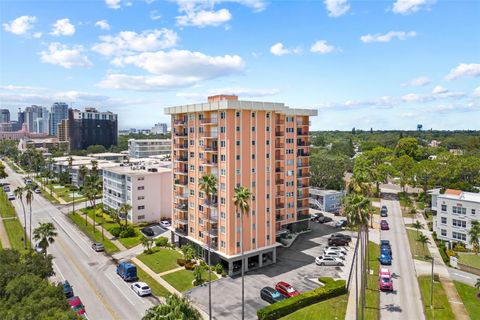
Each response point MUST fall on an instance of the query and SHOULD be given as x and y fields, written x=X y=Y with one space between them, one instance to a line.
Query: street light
x=431 y=288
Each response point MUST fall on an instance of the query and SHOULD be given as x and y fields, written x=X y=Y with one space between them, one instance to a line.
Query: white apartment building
x=144 y=148
x=455 y=211
x=147 y=189
x=160 y=128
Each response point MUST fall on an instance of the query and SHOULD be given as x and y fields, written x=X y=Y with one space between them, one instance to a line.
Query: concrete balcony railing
x=180 y=171
x=210 y=135
x=279 y=206
x=211 y=232
x=183 y=196
x=302 y=133
x=181 y=221
x=181 y=182
x=279 y=145
x=181 y=206
x=279 y=157
x=180 y=146
x=279 y=181
x=181 y=231
x=303 y=123
x=279 y=133
x=280 y=194
x=207 y=162
x=303 y=164
x=303 y=175
x=279 y=170
x=209 y=121
x=181 y=134
x=210 y=204
x=303 y=154
x=181 y=159
x=210 y=148
x=179 y=122
x=302 y=185
x=279 y=218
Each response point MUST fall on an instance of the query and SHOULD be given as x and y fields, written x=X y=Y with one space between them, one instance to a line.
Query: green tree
x=82 y=173
x=29 y=197
x=474 y=235
x=417 y=225
x=45 y=233
x=188 y=252
x=174 y=308
x=147 y=243
x=404 y=169
x=18 y=192
x=96 y=148
x=424 y=173
x=3 y=174
x=197 y=275
x=423 y=239
x=241 y=200
x=123 y=212
x=409 y=147
x=327 y=171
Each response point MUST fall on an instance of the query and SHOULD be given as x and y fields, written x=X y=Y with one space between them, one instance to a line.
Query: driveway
x=295 y=265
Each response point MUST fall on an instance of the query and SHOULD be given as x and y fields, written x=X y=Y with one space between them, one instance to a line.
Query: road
x=92 y=275
x=462 y=276
x=405 y=301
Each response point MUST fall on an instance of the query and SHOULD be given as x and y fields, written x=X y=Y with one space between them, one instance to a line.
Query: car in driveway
x=385 y=259
x=98 y=246
x=336 y=254
x=384 y=211
x=6 y=188
x=165 y=223
x=67 y=289
x=141 y=289
x=148 y=232
x=324 y=219
x=328 y=261
x=10 y=196
x=286 y=290
x=271 y=295
x=341 y=223
x=38 y=248
x=339 y=239
x=37 y=190
x=314 y=218
x=338 y=249
x=385 y=282
x=384 y=225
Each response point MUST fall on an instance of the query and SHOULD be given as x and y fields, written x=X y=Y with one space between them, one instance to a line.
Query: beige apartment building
x=262 y=146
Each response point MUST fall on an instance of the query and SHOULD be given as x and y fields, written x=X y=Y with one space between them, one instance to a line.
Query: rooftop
x=139 y=169
x=323 y=192
x=106 y=154
x=460 y=195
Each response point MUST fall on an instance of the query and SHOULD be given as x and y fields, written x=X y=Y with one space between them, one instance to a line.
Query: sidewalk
x=440 y=268
x=4 y=236
x=107 y=234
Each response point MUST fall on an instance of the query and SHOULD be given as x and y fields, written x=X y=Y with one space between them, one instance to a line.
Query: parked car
x=384 y=211
x=385 y=259
x=385 y=243
x=77 y=305
x=28 y=181
x=98 y=246
x=339 y=249
x=341 y=236
x=37 y=190
x=286 y=290
x=141 y=288
x=67 y=289
x=38 y=248
x=6 y=188
x=385 y=282
x=10 y=196
x=341 y=223
x=271 y=295
x=165 y=223
x=324 y=219
x=148 y=232
x=328 y=261
x=313 y=218
x=127 y=271
x=386 y=250
x=338 y=242
x=384 y=225
x=336 y=254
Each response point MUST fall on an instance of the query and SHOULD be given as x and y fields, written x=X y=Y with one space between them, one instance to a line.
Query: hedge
x=280 y=309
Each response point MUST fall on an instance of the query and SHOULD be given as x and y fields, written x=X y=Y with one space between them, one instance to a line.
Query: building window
x=141 y=217
x=268 y=129
x=192 y=230
x=141 y=197
x=459 y=210
x=459 y=236
x=268 y=237
x=253 y=128
x=141 y=188
x=200 y=221
x=222 y=144
x=253 y=240
x=192 y=192
x=253 y=170
x=222 y=186
x=254 y=226
x=222 y=229
x=192 y=180
x=223 y=172
x=253 y=142
x=141 y=207
x=443 y=232
x=238 y=244
x=253 y=156
x=141 y=178
x=238 y=157
x=237 y=114
x=459 y=223
x=237 y=171
x=222 y=115
x=238 y=128
x=444 y=207
x=222 y=129
x=473 y=211
x=253 y=198
x=268 y=142
x=222 y=215
x=200 y=208
x=237 y=142
x=222 y=200
x=254 y=184
x=253 y=114
x=222 y=157
x=200 y=234
x=222 y=244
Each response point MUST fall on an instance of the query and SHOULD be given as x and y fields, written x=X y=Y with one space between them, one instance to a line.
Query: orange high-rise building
x=261 y=146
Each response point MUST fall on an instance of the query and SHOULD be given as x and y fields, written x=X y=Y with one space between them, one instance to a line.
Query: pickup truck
x=127 y=271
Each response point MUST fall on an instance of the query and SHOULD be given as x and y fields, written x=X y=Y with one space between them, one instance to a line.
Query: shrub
x=219 y=268
x=280 y=309
x=202 y=263
x=224 y=273
x=457 y=246
x=451 y=253
x=115 y=231
x=128 y=232
x=189 y=265
x=181 y=262
x=161 y=242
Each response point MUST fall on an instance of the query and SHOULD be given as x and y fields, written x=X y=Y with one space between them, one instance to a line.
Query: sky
x=384 y=65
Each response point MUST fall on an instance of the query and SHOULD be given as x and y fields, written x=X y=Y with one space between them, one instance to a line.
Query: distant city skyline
x=382 y=65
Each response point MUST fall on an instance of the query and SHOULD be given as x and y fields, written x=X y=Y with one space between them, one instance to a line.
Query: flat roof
x=460 y=195
x=106 y=154
x=138 y=170
x=323 y=192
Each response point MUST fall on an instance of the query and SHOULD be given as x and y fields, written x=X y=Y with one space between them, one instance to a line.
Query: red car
x=77 y=305
x=384 y=225
x=385 y=282
x=286 y=290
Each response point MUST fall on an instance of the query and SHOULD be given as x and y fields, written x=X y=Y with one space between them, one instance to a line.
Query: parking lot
x=295 y=265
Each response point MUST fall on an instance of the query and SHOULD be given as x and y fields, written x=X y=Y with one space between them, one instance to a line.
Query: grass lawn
x=50 y=198
x=418 y=251
x=64 y=193
x=469 y=297
x=157 y=288
x=13 y=227
x=331 y=309
x=470 y=259
x=182 y=280
x=410 y=225
x=441 y=307
x=110 y=248
x=375 y=199
x=162 y=260
x=372 y=297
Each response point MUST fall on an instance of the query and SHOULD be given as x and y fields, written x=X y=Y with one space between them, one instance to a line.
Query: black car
x=338 y=242
x=324 y=219
x=341 y=235
x=148 y=232
x=315 y=217
x=271 y=295
x=384 y=211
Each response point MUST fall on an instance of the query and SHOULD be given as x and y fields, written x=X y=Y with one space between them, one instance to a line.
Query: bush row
x=123 y=232
x=280 y=309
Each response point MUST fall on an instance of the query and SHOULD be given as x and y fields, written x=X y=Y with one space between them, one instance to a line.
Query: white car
x=165 y=223
x=334 y=254
x=141 y=288
x=328 y=261
x=340 y=250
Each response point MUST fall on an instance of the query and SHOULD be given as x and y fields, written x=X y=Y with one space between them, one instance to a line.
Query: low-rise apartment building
x=453 y=213
x=144 y=148
x=147 y=189
x=326 y=200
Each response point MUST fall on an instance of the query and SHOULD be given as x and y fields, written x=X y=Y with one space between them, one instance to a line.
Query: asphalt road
x=92 y=275
x=462 y=276
x=405 y=301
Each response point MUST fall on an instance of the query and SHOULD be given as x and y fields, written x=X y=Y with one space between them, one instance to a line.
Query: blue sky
x=381 y=64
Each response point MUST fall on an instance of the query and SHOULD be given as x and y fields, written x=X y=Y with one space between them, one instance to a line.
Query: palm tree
x=123 y=211
x=174 y=307
x=423 y=239
x=45 y=234
x=147 y=243
x=29 y=198
x=417 y=225
x=477 y=285
x=208 y=184
x=94 y=168
x=241 y=199
x=18 y=192
x=82 y=173
x=474 y=235
x=70 y=164
x=73 y=190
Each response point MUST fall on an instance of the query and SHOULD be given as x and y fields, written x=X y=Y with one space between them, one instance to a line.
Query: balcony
x=181 y=171
x=303 y=164
x=181 y=182
x=207 y=162
x=279 y=122
x=301 y=217
x=302 y=205
x=279 y=205
x=210 y=148
x=181 y=159
x=279 y=145
x=181 y=221
x=179 y=122
x=181 y=134
x=279 y=133
x=182 y=196
x=210 y=204
x=301 y=133
x=210 y=135
x=211 y=218
x=279 y=170
x=303 y=175
x=181 y=146
x=181 y=206
x=182 y=231
x=211 y=232
x=210 y=121
x=279 y=158
x=303 y=123
x=302 y=154
x=279 y=218
x=279 y=181
x=302 y=185
x=279 y=194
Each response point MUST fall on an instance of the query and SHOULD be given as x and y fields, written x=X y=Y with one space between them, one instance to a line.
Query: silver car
x=334 y=254
x=328 y=261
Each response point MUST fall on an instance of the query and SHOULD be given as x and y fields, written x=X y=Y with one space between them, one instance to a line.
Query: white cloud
x=321 y=46
x=127 y=42
x=418 y=82
x=337 y=8
x=278 y=49
x=64 y=56
x=37 y=35
x=239 y=91
x=154 y=15
x=387 y=37
x=476 y=92
x=146 y=83
x=204 y=18
x=464 y=70
x=63 y=27
x=410 y=6
x=113 y=4
x=439 y=90
x=21 y=25
x=102 y=24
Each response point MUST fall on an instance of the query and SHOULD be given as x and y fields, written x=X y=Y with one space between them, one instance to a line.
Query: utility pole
x=431 y=282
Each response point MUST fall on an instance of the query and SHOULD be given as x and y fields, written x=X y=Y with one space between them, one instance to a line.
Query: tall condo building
x=160 y=128
x=36 y=118
x=58 y=112
x=262 y=146
x=144 y=148
x=4 y=115
x=89 y=127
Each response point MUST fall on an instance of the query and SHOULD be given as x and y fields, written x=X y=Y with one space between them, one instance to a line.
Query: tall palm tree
x=417 y=225
x=94 y=185
x=70 y=164
x=175 y=307
x=208 y=184
x=124 y=210
x=423 y=239
x=94 y=168
x=18 y=192
x=241 y=199
x=474 y=235
x=29 y=198
x=147 y=243
x=82 y=173
x=45 y=234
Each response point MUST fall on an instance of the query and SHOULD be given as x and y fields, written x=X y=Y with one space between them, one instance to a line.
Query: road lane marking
x=120 y=289
x=58 y=269
x=68 y=235
x=461 y=275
